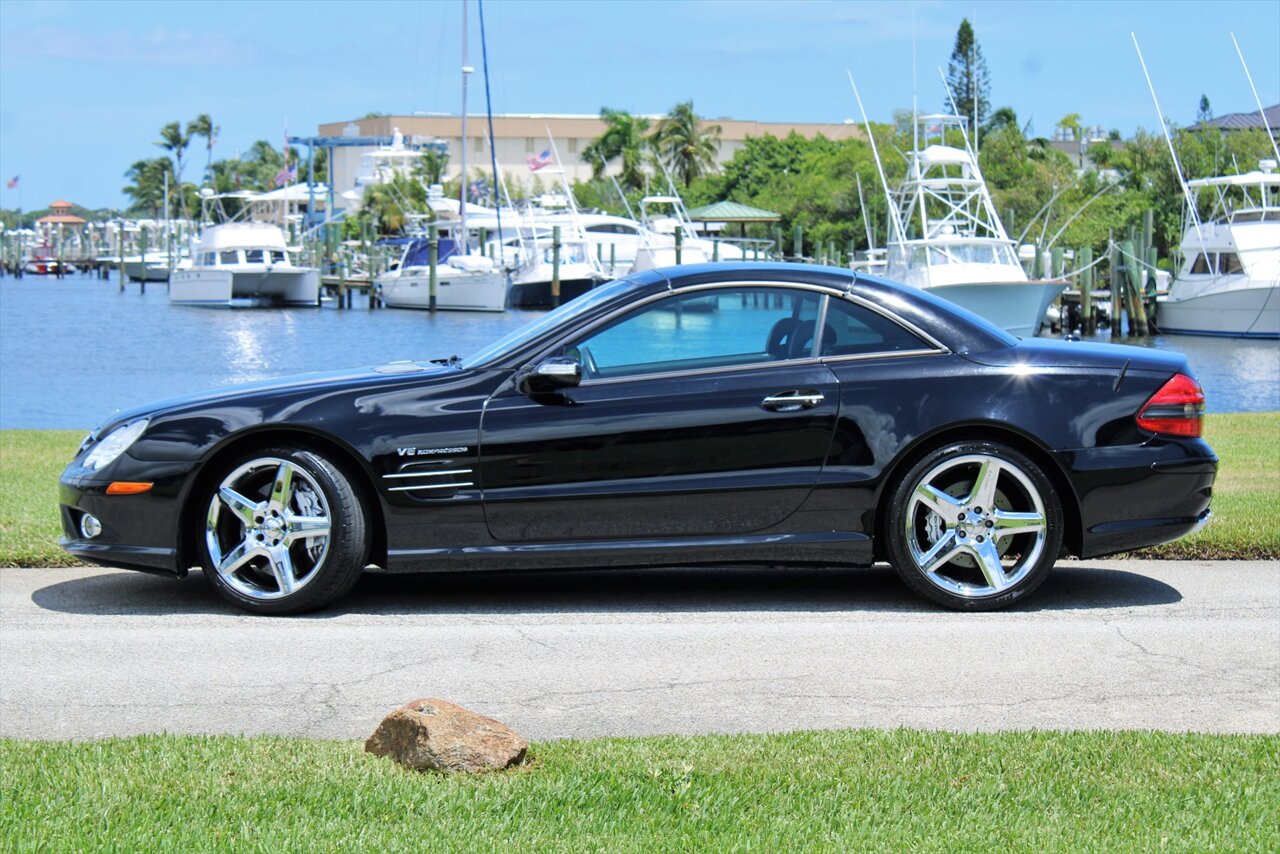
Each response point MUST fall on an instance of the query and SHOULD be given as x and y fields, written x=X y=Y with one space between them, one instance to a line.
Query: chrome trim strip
x=887 y=315
x=751 y=366
x=866 y=357
x=669 y=292
x=939 y=348
x=430 y=474
x=428 y=486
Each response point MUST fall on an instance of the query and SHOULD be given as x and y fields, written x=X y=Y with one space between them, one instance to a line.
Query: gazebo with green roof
x=733 y=212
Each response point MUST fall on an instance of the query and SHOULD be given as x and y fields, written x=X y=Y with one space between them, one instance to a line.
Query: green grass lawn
x=822 y=791
x=1245 y=523
x=1246 y=492
x=30 y=463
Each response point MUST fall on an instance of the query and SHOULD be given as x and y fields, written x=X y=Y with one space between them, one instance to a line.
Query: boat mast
x=1177 y=167
x=463 y=243
x=1262 y=113
x=875 y=153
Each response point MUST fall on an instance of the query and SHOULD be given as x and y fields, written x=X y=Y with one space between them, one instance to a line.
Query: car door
x=699 y=414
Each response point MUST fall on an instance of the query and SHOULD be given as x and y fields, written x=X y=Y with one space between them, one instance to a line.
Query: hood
x=277 y=386
x=1053 y=353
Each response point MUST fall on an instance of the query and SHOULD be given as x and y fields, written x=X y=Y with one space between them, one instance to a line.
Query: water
x=72 y=351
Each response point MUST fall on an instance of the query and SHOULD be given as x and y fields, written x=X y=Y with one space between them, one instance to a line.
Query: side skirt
x=833 y=547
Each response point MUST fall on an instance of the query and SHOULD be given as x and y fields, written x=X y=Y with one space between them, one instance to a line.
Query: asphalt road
x=1104 y=644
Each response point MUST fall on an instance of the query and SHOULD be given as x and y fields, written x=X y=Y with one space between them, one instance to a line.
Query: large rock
x=442 y=736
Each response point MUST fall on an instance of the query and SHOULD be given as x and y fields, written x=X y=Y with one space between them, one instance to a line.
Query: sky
x=85 y=87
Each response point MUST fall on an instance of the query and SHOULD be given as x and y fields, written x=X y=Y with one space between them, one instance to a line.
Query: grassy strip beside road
x=30 y=463
x=1246 y=493
x=1245 y=523
x=834 y=791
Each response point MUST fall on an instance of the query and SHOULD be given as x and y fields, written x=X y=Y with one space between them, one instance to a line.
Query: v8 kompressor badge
x=426 y=452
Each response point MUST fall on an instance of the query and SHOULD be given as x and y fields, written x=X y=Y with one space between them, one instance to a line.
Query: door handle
x=792 y=401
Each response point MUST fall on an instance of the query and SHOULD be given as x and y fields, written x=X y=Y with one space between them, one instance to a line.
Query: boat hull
x=538 y=294
x=300 y=287
x=1016 y=307
x=145 y=271
x=1240 y=313
x=476 y=292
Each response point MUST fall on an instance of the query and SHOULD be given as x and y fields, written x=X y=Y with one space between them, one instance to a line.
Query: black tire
x=261 y=516
x=950 y=548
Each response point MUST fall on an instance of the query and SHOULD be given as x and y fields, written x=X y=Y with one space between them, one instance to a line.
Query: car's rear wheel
x=974 y=526
x=284 y=532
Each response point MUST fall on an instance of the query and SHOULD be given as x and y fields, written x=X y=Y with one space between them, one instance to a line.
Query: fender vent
x=438 y=479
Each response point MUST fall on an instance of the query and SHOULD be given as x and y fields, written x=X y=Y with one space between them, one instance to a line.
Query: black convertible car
x=705 y=414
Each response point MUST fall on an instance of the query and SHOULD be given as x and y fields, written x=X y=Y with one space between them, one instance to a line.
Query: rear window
x=852 y=330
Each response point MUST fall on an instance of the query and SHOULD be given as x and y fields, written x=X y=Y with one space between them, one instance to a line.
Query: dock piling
x=1085 y=259
x=555 y=266
x=433 y=261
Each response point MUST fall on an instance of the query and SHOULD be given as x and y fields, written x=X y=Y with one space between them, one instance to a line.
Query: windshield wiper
x=454 y=361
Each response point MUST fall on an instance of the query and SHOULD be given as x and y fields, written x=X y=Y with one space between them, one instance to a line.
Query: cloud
x=159 y=46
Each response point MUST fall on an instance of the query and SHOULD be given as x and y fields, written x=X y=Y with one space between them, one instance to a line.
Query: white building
x=517 y=137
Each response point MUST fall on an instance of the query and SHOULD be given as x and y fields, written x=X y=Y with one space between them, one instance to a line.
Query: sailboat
x=464 y=282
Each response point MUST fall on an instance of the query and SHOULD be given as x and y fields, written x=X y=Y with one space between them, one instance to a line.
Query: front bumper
x=139 y=532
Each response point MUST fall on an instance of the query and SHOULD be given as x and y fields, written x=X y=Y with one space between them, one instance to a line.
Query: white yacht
x=463 y=282
x=1230 y=280
x=660 y=216
x=534 y=264
x=381 y=166
x=244 y=263
x=946 y=238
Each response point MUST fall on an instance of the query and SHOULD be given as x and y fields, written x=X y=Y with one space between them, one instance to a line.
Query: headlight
x=114 y=444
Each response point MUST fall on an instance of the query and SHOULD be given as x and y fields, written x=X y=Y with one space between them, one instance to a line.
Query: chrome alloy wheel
x=267 y=529
x=975 y=525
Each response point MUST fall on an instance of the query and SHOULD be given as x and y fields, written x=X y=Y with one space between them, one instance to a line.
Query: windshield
x=562 y=316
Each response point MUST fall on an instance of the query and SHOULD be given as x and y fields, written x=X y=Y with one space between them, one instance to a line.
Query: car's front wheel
x=974 y=526
x=284 y=532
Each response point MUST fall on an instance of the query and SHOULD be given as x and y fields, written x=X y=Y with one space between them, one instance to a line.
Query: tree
x=1001 y=117
x=1071 y=122
x=146 y=188
x=1205 y=113
x=203 y=126
x=684 y=145
x=623 y=138
x=174 y=141
x=967 y=76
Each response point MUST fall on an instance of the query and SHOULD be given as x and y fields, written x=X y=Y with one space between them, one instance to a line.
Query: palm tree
x=203 y=126
x=147 y=187
x=686 y=147
x=174 y=141
x=623 y=138
x=1002 y=117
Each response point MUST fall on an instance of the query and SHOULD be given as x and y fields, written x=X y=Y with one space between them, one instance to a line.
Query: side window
x=702 y=330
x=1201 y=265
x=852 y=330
x=253 y=256
x=1229 y=263
x=228 y=256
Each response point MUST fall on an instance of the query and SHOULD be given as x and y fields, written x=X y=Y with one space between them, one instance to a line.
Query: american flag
x=477 y=190
x=13 y=182
x=286 y=176
x=538 y=161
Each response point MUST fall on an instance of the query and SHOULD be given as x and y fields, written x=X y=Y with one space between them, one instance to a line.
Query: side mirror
x=549 y=375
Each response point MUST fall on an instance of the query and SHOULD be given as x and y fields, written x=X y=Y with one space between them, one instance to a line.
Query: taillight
x=1177 y=409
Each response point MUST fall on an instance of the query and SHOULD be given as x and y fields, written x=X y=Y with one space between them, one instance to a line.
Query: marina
x=119 y=349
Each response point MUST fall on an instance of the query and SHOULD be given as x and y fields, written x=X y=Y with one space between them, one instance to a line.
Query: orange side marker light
x=128 y=487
